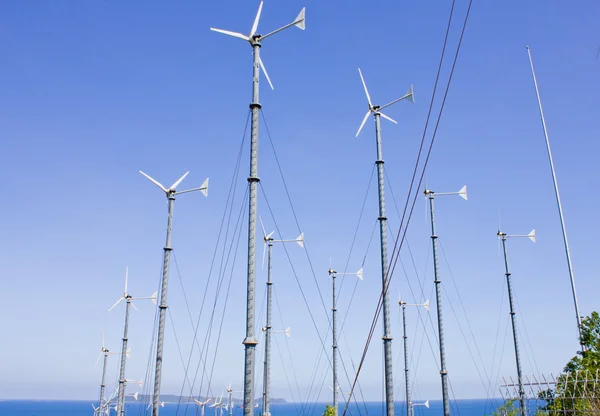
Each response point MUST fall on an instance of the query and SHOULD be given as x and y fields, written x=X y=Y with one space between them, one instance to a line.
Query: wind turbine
x=170 y=193
x=268 y=241
x=103 y=352
x=409 y=404
x=250 y=341
x=120 y=408
x=217 y=404
x=438 y=292
x=375 y=110
x=334 y=275
x=202 y=404
x=230 y=392
x=503 y=236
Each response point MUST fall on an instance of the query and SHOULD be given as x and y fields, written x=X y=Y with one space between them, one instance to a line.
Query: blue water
x=84 y=408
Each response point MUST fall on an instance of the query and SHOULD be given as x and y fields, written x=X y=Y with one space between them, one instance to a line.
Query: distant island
x=172 y=398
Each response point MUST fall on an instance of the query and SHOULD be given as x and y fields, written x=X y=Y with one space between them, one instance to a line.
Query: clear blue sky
x=90 y=92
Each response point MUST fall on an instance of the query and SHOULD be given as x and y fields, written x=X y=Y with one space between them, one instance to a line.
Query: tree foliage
x=329 y=410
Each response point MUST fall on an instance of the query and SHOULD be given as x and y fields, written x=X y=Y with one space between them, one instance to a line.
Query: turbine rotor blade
x=230 y=33
x=178 y=181
x=116 y=303
x=98 y=359
x=263 y=227
x=256 y=19
x=363 y=123
x=388 y=118
x=126 y=277
x=154 y=181
x=134 y=307
x=264 y=253
x=366 y=90
x=262 y=66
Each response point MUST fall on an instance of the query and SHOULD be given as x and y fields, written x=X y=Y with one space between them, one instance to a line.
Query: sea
x=478 y=407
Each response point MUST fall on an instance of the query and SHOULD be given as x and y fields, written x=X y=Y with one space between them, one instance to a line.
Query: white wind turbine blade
x=263 y=227
x=126 y=278
x=154 y=181
x=264 y=254
x=388 y=118
x=204 y=187
x=300 y=21
x=230 y=33
x=134 y=307
x=256 y=19
x=198 y=402
x=103 y=340
x=300 y=240
x=366 y=90
x=178 y=181
x=359 y=273
x=463 y=193
x=116 y=303
x=363 y=123
x=98 y=359
x=262 y=66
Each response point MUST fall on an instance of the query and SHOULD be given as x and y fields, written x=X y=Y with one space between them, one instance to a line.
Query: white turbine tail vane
x=287 y=332
x=300 y=21
x=300 y=240
x=426 y=305
x=155 y=182
x=426 y=404
x=359 y=273
x=204 y=187
x=154 y=296
x=264 y=70
x=136 y=395
x=531 y=235
x=463 y=193
x=410 y=95
x=128 y=353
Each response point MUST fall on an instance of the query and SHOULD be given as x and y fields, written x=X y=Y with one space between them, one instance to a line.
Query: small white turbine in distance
x=255 y=38
x=376 y=109
x=202 y=404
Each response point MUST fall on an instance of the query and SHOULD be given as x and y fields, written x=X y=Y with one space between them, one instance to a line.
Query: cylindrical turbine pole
x=559 y=205
x=163 y=307
x=122 y=379
x=406 y=378
x=250 y=341
x=387 y=334
x=267 y=363
x=103 y=384
x=514 y=328
x=230 y=403
x=438 y=297
x=334 y=357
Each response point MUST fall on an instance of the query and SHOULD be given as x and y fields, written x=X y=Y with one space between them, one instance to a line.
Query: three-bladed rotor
x=255 y=38
x=376 y=109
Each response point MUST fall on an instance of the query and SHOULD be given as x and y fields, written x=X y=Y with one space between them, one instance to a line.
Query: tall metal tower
x=503 y=236
x=375 y=110
x=250 y=341
x=558 y=204
x=103 y=352
x=170 y=193
x=403 y=305
x=124 y=350
x=268 y=242
x=438 y=293
x=334 y=274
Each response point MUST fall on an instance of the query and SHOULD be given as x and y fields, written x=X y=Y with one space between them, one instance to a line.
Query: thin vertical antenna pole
x=103 y=384
x=514 y=328
x=558 y=203
x=387 y=335
x=122 y=379
x=267 y=363
x=334 y=357
x=163 y=307
x=438 y=297
x=406 y=377
x=250 y=341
